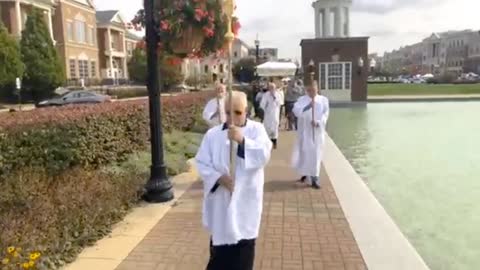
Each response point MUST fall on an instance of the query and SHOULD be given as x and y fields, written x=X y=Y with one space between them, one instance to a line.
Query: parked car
x=75 y=97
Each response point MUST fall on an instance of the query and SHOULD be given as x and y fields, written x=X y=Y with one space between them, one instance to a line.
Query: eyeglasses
x=235 y=112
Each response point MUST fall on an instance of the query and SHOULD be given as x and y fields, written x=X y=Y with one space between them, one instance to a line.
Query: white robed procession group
x=233 y=200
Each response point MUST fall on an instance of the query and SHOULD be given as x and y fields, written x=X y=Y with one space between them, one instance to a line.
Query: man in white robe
x=271 y=104
x=232 y=204
x=214 y=112
x=308 y=151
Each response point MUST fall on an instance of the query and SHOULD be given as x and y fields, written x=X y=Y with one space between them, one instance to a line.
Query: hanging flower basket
x=190 y=27
x=188 y=42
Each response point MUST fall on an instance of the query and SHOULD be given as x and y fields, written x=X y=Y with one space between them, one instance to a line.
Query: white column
x=125 y=55
x=347 y=21
x=339 y=22
x=110 y=51
x=317 y=22
x=326 y=22
x=18 y=14
x=50 y=24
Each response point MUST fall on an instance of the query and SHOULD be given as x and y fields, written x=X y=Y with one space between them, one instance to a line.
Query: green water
x=422 y=161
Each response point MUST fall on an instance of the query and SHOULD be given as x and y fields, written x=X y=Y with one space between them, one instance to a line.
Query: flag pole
x=229 y=37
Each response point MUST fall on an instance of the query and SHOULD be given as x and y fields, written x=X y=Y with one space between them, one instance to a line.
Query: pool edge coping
x=385 y=247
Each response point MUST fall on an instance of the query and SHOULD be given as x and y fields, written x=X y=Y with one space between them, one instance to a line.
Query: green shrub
x=88 y=136
x=128 y=93
x=59 y=215
x=68 y=174
x=11 y=65
x=43 y=69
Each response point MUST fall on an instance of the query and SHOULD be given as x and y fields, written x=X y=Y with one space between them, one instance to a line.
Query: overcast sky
x=389 y=23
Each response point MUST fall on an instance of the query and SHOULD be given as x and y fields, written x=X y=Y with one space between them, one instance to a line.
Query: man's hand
x=315 y=124
x=235 y=133
x=227 y=182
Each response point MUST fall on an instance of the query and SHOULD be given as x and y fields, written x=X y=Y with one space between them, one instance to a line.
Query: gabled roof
x=109 y=16
x=242 y=42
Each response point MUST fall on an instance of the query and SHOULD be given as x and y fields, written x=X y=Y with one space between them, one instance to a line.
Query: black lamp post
x=257 y=50
x=158 y=188
x=257 y=56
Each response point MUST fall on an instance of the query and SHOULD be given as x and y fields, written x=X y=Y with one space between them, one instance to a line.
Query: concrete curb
x=382 y=244
x=423 y=98
x=109 y=252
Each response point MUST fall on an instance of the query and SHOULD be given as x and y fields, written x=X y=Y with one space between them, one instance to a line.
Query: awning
x=277 y=69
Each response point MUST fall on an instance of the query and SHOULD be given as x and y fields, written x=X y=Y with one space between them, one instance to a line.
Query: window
x=70 y=31
x=336 y=76
x=93 y=69
x=221 y=68
x=130 y=48
x=83 y=68
x=80 y=31
x=72 y=68
x=94 y=36
x=235 y=54
x=205 y=69
x=91 y=36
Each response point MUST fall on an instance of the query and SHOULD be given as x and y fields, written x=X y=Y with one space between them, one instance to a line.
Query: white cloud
x=390 y=23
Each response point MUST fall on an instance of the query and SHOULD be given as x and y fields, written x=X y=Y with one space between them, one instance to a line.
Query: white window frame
x=83 y=68
x=93 y=68
x=74 y=70
x=70 y=30
x=343 y=76
x=81 y=31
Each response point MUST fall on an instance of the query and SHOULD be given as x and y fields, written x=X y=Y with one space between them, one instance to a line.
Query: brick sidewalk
x=301 y=228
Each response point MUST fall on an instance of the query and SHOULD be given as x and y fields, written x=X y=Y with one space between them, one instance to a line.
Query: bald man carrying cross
x=232 y=204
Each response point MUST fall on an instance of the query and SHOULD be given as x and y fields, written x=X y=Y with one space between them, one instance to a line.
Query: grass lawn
x=179 y=147
x=422 y=89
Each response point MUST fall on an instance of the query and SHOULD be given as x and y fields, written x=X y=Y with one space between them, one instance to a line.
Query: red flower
x=208 y=31
x=141 y=44
x=164 y=25
x=174 y=61
x=200 y=14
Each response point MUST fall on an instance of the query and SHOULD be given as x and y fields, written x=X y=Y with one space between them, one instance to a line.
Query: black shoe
x=302 y=180
x=315 y=185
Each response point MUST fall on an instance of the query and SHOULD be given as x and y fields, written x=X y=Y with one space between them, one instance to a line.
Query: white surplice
x=214 y=112
x=271 y=104
x=308 y=150
x=233 y=217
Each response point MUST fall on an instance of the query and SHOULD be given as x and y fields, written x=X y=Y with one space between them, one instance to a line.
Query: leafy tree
x=137 y=66
x=11 y=65
x=244 y=70
x=43 y=70
x=170 y=72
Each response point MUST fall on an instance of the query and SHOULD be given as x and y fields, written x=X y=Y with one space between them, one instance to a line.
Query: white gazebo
x=332 y=18
x=277 y=69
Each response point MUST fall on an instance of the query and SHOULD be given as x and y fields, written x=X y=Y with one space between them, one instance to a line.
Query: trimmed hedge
x=90 y=135
x=68 y=174
x=60 y=215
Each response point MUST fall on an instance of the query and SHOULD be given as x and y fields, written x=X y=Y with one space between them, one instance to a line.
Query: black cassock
x=232 y=257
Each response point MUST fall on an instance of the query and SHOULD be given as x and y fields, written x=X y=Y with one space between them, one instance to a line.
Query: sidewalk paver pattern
x=301 y=228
